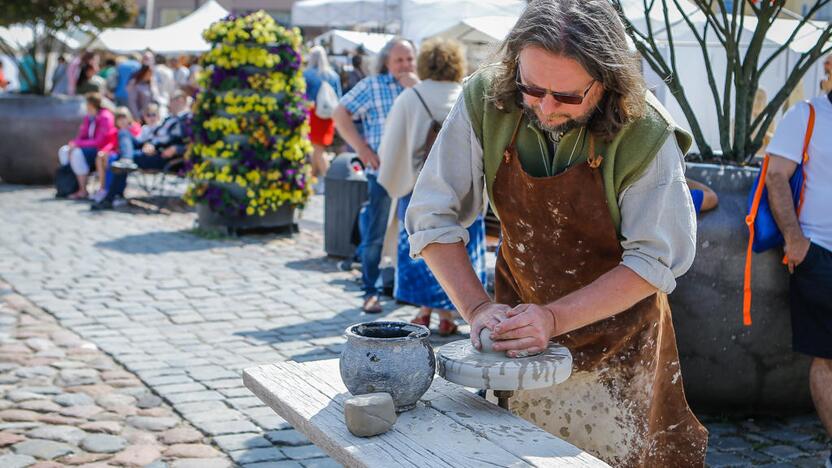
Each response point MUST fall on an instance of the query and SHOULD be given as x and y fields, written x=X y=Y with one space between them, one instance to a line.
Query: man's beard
x=570 y=124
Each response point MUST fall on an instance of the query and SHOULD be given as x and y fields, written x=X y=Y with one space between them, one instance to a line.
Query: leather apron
x=624 y=402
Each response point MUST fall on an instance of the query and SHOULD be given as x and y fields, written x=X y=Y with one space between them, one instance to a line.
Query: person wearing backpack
x=323 y=88
x=807 y=231
x=409 y=133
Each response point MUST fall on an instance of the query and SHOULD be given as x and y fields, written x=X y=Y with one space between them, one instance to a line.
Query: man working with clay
x=585 y=171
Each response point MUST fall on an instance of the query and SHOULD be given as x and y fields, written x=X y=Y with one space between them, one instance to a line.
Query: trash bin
x=346 y=190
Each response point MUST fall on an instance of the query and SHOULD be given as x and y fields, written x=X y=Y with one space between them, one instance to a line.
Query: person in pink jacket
x=97 y=133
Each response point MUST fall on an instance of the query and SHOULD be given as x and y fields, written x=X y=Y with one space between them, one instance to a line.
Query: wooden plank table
x=450 y=426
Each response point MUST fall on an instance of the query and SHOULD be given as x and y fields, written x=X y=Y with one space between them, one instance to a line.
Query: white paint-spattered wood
x=450 y=427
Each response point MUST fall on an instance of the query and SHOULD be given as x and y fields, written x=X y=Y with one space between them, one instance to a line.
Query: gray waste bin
x=346 y=190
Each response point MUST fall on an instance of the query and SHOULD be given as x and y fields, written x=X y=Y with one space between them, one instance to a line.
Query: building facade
x=164 y=12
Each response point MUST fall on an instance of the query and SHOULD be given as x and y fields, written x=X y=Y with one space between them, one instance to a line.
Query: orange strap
x=755 y=205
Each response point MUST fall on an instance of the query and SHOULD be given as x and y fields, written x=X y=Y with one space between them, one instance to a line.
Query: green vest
x=626 y=157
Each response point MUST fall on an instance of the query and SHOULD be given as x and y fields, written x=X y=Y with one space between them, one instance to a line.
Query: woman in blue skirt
x=409 y=130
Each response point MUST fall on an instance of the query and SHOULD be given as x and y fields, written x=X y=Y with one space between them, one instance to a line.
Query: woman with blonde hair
x=323 y=88
x=413 y=122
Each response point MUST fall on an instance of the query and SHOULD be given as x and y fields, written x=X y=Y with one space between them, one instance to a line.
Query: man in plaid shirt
x=371 y=100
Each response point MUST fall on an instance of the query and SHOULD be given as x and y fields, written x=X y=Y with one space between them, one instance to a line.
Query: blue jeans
x=127 y=147
x=372 y=223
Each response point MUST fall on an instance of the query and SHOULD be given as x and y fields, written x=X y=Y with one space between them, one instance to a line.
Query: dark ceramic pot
x=725 y=365
x=389 y=357
x=32 y=128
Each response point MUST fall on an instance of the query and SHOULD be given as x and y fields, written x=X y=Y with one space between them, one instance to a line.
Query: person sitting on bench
x=165 y=144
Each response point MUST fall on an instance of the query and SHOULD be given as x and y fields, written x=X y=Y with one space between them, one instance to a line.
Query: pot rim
x=422 y=332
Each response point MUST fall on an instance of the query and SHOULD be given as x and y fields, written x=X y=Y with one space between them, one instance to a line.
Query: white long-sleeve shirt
x=658 y=219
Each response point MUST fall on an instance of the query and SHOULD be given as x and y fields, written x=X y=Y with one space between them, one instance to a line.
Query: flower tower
x=248 y=161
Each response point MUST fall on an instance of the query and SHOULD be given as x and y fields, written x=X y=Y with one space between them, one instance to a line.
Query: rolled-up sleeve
x=658 y=221
x=448 y=195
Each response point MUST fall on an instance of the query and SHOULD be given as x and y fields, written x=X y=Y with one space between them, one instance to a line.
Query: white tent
x=426 y=18
x=344 y=13
x=691 y=62
x=481 y=35
x=183 y=36
x=342 y=42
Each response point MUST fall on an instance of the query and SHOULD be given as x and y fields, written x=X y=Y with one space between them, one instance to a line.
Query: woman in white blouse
x=416 y=115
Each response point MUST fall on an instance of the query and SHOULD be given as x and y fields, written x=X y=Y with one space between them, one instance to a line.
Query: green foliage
x=57 y=15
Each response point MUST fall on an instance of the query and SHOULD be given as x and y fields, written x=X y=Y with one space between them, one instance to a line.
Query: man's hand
x=487 y=315
x=149 y=149
x=526 y=331
x=408 y=80
x=796 y=250
x=169 y=152
x=369 y=157
x=71 y=144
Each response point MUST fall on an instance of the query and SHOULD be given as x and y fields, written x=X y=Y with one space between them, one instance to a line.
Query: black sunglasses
x=565 y=98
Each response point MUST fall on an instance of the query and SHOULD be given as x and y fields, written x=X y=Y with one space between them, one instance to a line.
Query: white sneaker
x=119 y=202
x=99 y=195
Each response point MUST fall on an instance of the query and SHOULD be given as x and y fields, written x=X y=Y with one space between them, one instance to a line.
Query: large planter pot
x=725 y=365
x=32 y=128
x=283 y=218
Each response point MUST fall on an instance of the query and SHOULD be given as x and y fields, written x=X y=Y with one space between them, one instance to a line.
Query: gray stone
x=157 y=464
x=18 y=395
x=43 y=390
x=73 y=399
x=59 y=433
x=200 y=463
x=723 y=460
x=303 y=453
x=370 y=414
x=783 y=452
x=41 y=406
x=148 y=400
x=730 y=443
x=181 y=435
x=36 y=371
x=103 y=443
x=11 y=460
x=241 y=441
x=114 y=400
x=257 y=455
x=75 y=377
x=43 y=449
x=288 y=437
x=215 y=428
x=322 y=463
x=152 y=424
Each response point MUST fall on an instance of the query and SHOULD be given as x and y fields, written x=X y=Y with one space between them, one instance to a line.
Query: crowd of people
x=138 y=107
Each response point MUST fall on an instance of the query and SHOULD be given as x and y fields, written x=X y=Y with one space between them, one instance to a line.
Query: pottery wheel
x=459 y=362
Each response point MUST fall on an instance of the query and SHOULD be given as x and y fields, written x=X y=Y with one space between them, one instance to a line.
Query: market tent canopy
x=480 y=35
x=427 y=18
x=183 y=36
x=344 y=13
x=341 y=42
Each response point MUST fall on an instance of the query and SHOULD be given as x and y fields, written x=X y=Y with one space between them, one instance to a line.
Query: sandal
x=371 y=305
x=447 y=327
x=422 y=319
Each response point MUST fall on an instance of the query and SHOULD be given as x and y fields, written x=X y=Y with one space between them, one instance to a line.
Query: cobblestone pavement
x=67 y=402
x=185 y=312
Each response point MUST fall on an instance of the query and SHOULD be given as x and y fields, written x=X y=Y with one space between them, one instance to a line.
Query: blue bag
x=763 y=233
x=766 y=233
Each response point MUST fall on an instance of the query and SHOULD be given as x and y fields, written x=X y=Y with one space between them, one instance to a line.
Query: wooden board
x=450 y=426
